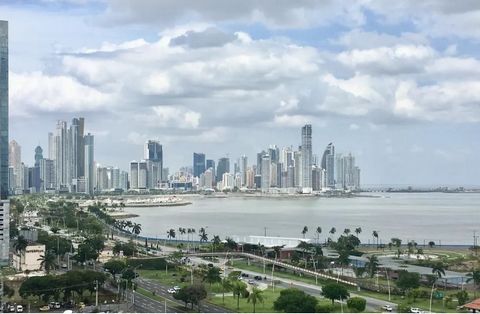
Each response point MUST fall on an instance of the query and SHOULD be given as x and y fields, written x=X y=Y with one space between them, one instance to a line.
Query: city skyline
x=399 y=92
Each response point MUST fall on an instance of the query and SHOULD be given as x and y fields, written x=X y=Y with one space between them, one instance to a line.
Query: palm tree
x=319 y=230
x=438 y=270
x=256 y=295
x=238 y=289
x=203 y=235
x=372 y=265
x=128 y=224
x=304 y=231
x=226 y=285
x=20 y=246
x=346 y=231
x=358 y=230
x=171 y=234
x=182 y=231
x=136 y=229
x=375 y=236
x=475 y=277
x=48 y=261
x=216 y=241
x=332 y=231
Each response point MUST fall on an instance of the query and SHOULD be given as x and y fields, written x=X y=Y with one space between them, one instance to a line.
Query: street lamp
x=273 y=268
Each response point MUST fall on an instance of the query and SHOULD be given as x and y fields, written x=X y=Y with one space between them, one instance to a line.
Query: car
x=176 y=288
x=19 y=308
x=210 y=265
x=57 y=305
x=11 y=308
x=51 y=305
x=258 y=277
x=414 y=310
x=244 y=275
x=64 y=265
x=240 y=278
x=44 y=308
x=252 y=282
x=171 y=291
x=387 y=308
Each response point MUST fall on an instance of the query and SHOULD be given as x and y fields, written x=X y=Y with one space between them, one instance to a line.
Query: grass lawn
x=266 y=307
x=172 y=278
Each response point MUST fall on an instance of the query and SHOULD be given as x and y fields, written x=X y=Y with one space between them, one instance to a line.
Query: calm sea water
x=449 y=218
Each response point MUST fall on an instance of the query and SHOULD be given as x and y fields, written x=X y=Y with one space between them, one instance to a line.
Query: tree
x=438 y=269
x=55 y=229
x=191 y=294
x=346 y=231
x=47 y=261
x=335 y=291
x=238 y=288
x=396 y=241
x=171 y=234
x=216 y=242
x=332 y=231
x=356 y=304
x=372 y=265
x=20 y=246
x=304 y=231
x=431 y=244
x=203 y=235
x=475 y=278
x=407 y=280
x=462 y=297
x=227 y=285
x=256 y=295
x=318 y=231
x=375 y=236
x=295 y=301
x=136 y=228
x=114 y=267
x=358 y=230
x=212 y=275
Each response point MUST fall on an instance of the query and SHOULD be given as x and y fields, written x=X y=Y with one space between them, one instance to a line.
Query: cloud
x=37 y=92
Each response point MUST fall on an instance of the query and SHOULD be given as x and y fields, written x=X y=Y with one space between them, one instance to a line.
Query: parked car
x=252 y=282
x=210 y=265
x=64 y=265
x=19 y=308
x=176 y=288
x=171 y=291
x=414 y=310
x=11 y=308
x=244 y=275
x=44 y=308
x=387 y=308
x=57 y=305
x=258 y=277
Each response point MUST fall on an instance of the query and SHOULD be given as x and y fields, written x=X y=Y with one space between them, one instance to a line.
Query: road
x=373 y=305
x=161 y=290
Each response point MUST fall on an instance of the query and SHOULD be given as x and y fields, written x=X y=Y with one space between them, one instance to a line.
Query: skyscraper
x=307 y=158
x=4 y=203
x=243 y=169
x=61 y=152
x=153 y=153
x=266 y=172
x=328 y=163
x=134 y=175
x=15 y=161
x=211 y=164
x=222 y=167
x=198 y=164
x=89 y=166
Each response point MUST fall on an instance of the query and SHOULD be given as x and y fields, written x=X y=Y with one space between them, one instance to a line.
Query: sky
x=396 y=83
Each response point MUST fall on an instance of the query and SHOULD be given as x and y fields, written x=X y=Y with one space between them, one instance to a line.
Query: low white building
x=29 y=259
x=271 y=241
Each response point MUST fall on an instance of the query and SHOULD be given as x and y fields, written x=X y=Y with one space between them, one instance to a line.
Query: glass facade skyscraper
x=307 y=158
x=198 y=164
x=4 y=203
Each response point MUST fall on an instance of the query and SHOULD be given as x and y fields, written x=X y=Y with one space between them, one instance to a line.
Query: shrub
x=356 y=304
x=403 y=308
x=324 y=308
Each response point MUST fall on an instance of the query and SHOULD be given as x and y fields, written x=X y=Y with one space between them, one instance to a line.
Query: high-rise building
x=259 y=162
x=123 y=180
x=51 y=146
x=61 y=152
x=143 y=175
x=208 y=178
x=198 y=164
x=222 y=167
x=266 y=172
x=4 y=202
x=250 y=183
x=307 y=158
x=47 y=175
x=211 y=164
x=297 y=156
x=328 y=163
x=153 y=153
x=89 y=167
x=15 y=161
x=134 y=175
x=243 y=169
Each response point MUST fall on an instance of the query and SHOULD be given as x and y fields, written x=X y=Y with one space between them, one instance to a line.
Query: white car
x=171 y=291
x=414 y=310
x=387 y=308
x=19 y=308
x=176 y=288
